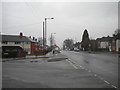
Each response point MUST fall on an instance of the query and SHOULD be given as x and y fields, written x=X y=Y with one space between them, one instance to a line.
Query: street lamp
x=51 y=39
x=45 y=32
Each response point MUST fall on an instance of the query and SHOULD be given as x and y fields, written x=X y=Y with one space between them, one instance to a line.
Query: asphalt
x=0 y=75
x=104 y=66
x=53 y=72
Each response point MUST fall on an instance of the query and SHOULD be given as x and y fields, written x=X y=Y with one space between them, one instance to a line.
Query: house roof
x=105 y=39
x=14 y=38
x=93 y=41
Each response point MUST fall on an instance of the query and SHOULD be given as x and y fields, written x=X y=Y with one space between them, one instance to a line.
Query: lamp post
x=45 y=32
x=51 y=39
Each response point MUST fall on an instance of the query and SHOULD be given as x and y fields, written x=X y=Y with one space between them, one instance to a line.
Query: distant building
x=108 y=44
x=118 y=45
x=104 y=42
x=29 y=45
x=93 y=45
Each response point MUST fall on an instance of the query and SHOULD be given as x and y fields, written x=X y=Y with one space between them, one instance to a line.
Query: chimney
x=21 y=34
x=29 y=36
x=33 y=38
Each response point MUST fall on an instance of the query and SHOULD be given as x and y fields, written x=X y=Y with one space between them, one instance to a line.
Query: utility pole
x=51 y=40
x=45 y=41
x=43 y=36
x=45 y=32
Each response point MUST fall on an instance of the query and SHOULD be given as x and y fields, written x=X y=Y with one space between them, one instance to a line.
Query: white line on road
x=114 y=86
x=71 y=63
x=75 y=66
x=109 y=83
x=106 y=82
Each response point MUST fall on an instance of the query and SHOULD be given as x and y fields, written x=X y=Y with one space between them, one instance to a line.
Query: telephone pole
x=43 y=35
x=45 y=30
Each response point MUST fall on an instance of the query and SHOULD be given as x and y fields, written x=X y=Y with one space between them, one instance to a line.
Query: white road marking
x=114 y=86
x=72 y=64
x=106 y=82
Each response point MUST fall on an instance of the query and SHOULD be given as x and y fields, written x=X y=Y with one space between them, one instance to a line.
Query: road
x=104 y=66
x=56 y=71
x=0 y=73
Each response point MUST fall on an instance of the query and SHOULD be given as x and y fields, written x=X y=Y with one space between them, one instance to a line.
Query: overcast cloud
x=71 y=19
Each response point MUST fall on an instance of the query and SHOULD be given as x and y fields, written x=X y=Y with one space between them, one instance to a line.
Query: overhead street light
x=45 y=32
x=49 y=18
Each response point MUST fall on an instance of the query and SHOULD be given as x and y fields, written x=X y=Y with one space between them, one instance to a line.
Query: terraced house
x=27 y=44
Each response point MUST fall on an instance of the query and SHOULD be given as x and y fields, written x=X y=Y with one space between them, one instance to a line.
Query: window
x=4 y=42
x=17 y=42
x=27 y=42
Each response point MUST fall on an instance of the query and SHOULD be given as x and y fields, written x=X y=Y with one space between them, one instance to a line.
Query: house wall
x=117 y=45
x=34 y=47
x=11 y=44
x=94 y=46
x=113 y=46
x=98 y=44
x=0 y=44
x=26 y=46
x=104 y=45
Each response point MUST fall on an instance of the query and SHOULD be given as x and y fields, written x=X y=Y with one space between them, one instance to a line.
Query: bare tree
x=116 y=34
x=68 y=44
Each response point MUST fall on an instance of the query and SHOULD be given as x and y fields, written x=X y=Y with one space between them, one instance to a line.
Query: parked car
x=76 y=49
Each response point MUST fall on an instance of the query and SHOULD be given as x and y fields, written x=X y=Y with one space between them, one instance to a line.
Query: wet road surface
x=104 y=66
x=49 y=73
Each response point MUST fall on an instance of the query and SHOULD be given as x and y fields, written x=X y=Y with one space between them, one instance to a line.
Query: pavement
x=55 y=71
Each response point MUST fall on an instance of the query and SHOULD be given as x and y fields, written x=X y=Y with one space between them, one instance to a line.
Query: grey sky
x=71 y=18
